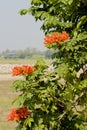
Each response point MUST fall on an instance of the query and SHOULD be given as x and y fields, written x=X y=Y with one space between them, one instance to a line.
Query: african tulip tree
x=58 y=99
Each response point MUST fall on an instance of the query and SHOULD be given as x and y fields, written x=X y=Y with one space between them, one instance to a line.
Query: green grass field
x=21 y=61
x=6 y=98
x=16 y=61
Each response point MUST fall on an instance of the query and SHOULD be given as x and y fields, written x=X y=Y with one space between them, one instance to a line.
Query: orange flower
x=56 y=37
x=23 y=112
x=48 y=39
x=27 y=69
x=13 y=115
x=18 y=114
x=65 y=36
x=17 y=71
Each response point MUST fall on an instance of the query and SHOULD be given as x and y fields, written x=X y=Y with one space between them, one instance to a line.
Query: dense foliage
x=57 y=99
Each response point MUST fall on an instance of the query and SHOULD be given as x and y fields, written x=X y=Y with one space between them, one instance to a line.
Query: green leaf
x=82 y=36
x=28 y=121
x=80 y=126
x=23 y=12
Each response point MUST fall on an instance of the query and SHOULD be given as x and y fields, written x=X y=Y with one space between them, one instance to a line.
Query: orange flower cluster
x=18 y=114
x=56 y=37
x=25 y=69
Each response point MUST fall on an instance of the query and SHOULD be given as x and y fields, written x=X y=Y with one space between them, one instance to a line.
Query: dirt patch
x=5 y=77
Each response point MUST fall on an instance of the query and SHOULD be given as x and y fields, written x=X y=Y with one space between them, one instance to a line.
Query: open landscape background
x=6 y=97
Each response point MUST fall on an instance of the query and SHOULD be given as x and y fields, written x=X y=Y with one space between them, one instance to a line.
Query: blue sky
x=18 y=32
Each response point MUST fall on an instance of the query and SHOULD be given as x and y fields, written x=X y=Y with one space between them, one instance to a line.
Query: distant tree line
x=26 y=53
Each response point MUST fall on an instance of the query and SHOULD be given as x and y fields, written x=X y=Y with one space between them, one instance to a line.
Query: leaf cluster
x=59 y=14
